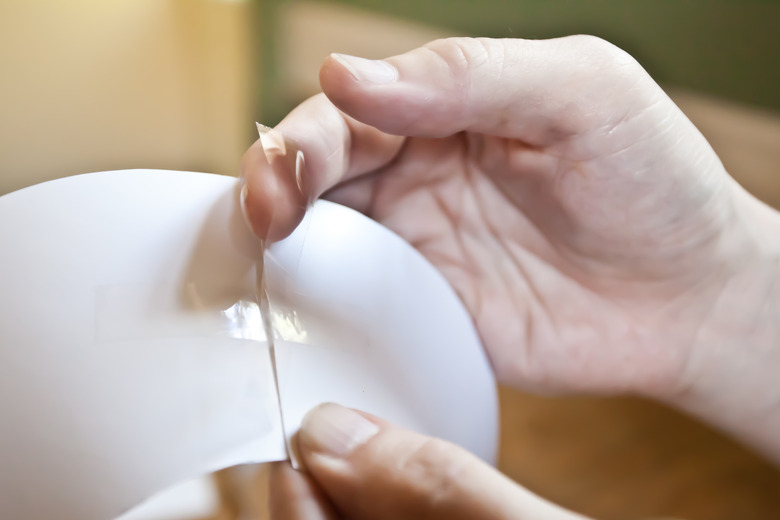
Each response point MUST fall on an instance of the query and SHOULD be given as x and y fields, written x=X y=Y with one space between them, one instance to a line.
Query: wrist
x=732 y=375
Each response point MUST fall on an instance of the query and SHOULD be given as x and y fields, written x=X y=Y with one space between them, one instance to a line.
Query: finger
x=273 y=194
x=358 y=194
x=372 y=469
x=293 y=496
x=540 y=91
x=315 y=147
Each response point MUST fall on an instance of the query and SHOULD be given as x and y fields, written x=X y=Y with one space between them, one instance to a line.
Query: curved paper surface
x=131 y=358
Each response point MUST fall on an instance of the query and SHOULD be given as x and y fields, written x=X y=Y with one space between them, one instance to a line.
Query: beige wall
x=89 y=85
x=310 y=30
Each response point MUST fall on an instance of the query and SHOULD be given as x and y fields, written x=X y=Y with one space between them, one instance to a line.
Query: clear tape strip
x=275 y=145
x=190 y=309
x=136 y=312
x=266 y=318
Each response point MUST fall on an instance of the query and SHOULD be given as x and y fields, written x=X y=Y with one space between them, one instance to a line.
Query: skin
x=591 y=231
x=395 y=474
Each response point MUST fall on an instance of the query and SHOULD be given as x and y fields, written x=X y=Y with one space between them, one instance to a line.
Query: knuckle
x=612 y=83
x=599 y=54
x=467 y=62
x=462 y=55
x=591 y=44
x=451 y=57
x=435 y=468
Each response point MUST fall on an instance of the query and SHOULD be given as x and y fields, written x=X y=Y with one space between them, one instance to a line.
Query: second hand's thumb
x=370 y=468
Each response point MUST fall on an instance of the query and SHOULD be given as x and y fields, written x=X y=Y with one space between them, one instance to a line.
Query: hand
x=589 y=228
x=362 y=467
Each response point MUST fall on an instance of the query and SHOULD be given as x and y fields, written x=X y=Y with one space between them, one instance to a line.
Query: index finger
x=313 y=149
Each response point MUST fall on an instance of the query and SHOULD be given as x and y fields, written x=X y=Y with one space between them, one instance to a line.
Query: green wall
x=726 y=48
x=729 y=49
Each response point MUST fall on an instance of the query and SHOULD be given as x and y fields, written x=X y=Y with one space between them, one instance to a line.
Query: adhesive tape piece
x=156 y=311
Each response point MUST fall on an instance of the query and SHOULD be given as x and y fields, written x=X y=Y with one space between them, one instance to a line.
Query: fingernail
x=372 y=71
x=242 y=203
x=262 y=129
x=336 y=431
x=300 y=166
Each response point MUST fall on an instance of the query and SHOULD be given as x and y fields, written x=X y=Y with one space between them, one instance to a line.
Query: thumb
x=540 y=91
x=369 y=468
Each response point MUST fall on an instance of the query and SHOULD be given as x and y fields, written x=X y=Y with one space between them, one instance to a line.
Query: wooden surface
x=627 y=458
x=631 y=459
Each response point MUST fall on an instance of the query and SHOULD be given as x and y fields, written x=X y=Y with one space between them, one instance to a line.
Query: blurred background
x=90 y=85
